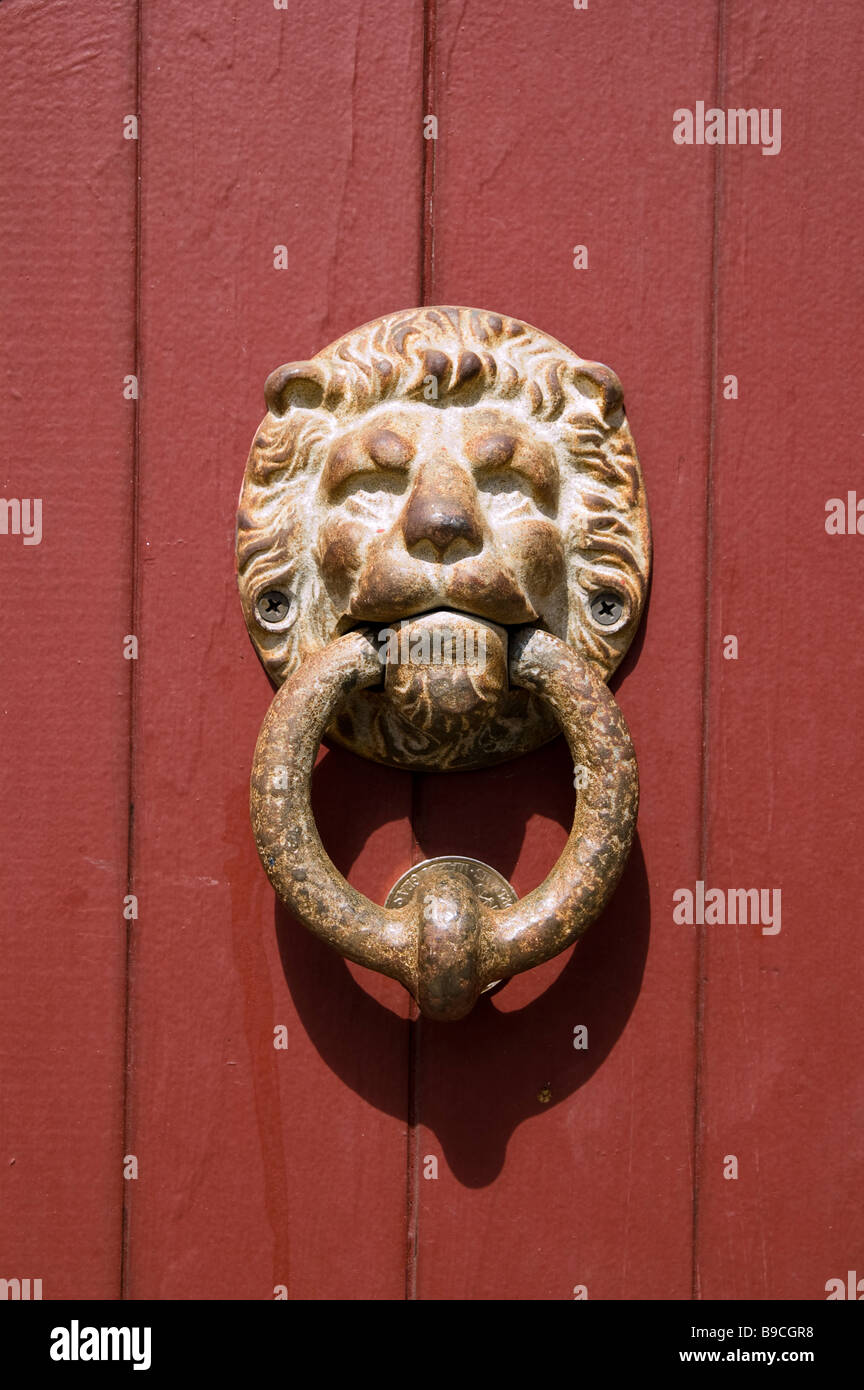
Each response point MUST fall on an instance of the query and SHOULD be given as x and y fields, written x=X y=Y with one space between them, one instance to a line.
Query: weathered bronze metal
x=443 y=551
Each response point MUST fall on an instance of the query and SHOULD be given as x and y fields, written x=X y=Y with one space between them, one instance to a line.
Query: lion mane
x=445 y=358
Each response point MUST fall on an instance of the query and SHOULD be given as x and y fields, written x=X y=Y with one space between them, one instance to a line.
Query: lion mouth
x=351 y=623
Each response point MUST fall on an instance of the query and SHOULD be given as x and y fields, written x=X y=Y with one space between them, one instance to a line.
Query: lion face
x=443 y=460
x=424 y=510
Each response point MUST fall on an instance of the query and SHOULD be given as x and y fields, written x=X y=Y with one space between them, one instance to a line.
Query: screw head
x=606 y=608
x=273 y=607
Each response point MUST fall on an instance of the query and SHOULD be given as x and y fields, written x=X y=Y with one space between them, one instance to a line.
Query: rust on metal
x=446 y=945
x=443 y=551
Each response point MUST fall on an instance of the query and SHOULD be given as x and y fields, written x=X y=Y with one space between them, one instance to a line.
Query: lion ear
x=600 y=384
x=298 y=384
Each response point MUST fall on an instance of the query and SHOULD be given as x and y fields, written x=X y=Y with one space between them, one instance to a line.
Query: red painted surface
x=67 y=228
x=781 y=1019
x=305 y=1166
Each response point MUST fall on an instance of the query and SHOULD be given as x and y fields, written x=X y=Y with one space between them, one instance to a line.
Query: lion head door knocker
x=443 y=550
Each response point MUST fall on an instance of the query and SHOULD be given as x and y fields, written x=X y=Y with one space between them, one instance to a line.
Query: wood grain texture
x=308 y=1166
x=555 y=131
x=259 y=1167
x=67 y=228
x=783 y=1029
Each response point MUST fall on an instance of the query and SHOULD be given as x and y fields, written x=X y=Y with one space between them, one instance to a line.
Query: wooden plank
x=783 y=1030
x=555 y=130
x=67 y=227
x=259 y=1168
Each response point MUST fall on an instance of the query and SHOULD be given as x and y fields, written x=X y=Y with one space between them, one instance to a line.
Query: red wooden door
x=156 y=1143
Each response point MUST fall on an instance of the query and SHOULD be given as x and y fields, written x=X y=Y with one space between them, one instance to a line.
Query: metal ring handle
x=447 y=947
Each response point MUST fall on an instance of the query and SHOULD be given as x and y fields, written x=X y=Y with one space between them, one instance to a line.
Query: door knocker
x=442 y=551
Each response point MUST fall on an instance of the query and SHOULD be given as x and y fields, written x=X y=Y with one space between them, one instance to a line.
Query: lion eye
x=371 y=494
x=493 y=450
x=389 y=450
x=507 y=496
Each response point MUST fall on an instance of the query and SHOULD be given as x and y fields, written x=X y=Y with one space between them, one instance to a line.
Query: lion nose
x=441 y=510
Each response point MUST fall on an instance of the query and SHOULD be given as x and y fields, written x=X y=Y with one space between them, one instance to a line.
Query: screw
x=606 y=608
x=273 y=606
